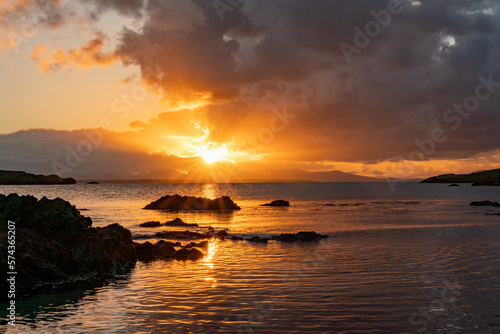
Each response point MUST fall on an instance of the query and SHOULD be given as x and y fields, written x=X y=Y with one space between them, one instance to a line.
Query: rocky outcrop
x=454 y=185
x=279 y=202
x=161 y=250
x=180 y=222
x=191 y=254
x=55 y=244
x=189 y=203
x=299 y=237
x=150 y=224
x=15 y=177
x=485 y=203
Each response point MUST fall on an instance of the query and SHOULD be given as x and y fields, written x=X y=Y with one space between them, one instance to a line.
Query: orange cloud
x=89 y=55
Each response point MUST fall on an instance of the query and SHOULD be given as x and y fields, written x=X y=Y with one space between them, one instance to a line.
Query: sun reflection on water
x=208 y=261
x=209 y=191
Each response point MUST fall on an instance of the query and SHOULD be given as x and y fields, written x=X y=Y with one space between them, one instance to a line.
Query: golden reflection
x=209 y=191
x=213 y=246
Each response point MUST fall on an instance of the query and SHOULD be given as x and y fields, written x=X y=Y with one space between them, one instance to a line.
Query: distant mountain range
x=221 y=174
x=218 y=174
x=487 y=178
x=210 y=174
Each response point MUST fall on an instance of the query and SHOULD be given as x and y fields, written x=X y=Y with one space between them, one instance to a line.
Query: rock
x=179 y=222
x=149 y=252
x=201 y=245
x=454 y=185
x=93 y=182
x=150 y=224
x=486 y=183
x=299 y=237
x=258 y=239
x=279 y=202
x=165 y=249
x=56 y=244
x=485 y=203
x=178 y=203
x=15 y=177
x=185 y=254
x=236 y=238
x=182 y=235
x=145 y=251
x=329 y=204
x=221 y=234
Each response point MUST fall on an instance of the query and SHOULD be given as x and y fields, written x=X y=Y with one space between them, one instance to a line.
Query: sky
x=381 y=88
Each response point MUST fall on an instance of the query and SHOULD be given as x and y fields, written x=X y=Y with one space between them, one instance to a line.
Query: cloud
x=88 y=55
x=394 y=92
x=244 y=63
x=22 y=20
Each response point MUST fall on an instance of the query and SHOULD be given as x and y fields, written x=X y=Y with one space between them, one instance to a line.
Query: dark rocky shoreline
x=483 y=178
x=56 y=245
x=23 y=178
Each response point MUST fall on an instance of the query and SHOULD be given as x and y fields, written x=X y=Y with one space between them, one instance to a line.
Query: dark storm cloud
x=393 y=92
x=250 y=58
x=130 y=8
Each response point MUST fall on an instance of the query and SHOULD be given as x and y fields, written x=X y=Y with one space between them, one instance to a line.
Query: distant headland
x=18 y=178
x=483 y=178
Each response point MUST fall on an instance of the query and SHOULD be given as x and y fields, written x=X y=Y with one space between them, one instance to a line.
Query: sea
x=400 y=258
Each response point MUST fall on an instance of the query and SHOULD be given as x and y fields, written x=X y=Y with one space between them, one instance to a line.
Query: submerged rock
x=279 y=202
x=486 y=183
x=182 y=235
x=179 y=203
x=93 y=182
x=299 y=237
x=150 y=224
x=54 y=243
x=454 y=185
x=179 y=222
x=221 y=234
x=485 y=203
x=258 y=239
x=201 y=245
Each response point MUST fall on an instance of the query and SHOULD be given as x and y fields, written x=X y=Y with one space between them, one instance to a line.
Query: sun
x=213 y=152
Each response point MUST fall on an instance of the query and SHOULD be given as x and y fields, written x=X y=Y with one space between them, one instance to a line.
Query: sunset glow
x=159 y=86
x=212 y=153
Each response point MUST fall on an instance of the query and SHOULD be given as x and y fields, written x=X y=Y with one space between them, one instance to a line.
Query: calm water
x=417 y=260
